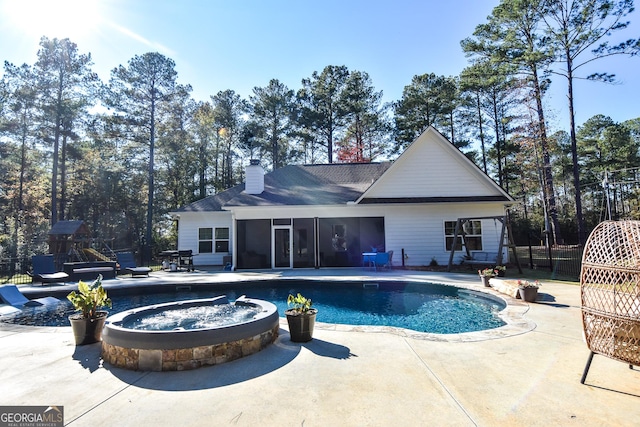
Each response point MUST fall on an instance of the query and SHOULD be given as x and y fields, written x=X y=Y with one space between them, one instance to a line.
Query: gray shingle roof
x=66 y=227
x=299 y=185
x=212 y=203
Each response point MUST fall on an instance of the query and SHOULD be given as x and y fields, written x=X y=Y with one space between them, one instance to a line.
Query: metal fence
x=16 y=270
x=560 y=260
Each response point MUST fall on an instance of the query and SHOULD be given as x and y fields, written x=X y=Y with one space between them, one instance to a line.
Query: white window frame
x=200 y=240
x=472 y=230
x=217 y=239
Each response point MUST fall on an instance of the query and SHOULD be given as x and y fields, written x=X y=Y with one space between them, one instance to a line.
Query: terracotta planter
x=528 y=294
x=301 y=325
x=485 y=280
x=87 y=331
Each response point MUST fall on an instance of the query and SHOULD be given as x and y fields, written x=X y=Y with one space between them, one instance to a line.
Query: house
x=329 y=215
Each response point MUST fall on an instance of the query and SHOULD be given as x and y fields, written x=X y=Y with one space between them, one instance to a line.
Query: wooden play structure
x=610 y=292
x=70 y=241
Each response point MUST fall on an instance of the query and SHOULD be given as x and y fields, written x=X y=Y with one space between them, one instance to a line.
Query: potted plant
x=87 y=325
x=486 y=274
x=301 y=318
x=527 y=290
x=500 y=270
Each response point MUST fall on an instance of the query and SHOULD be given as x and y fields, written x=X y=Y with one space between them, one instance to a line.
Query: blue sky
x=240 y=44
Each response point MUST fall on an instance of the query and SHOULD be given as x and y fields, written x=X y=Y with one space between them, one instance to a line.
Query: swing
x=483 y=258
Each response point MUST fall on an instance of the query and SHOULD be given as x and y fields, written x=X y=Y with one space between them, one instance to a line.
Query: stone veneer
x=182 y=359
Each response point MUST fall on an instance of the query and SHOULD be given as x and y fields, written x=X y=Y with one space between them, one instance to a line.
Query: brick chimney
x=254 y=178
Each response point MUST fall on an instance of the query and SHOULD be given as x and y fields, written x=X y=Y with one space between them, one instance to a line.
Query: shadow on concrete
x=612 y=390
x=547 y=299
x=327 y=349
x=543 y=297
x=88 y=356
x=274 y=357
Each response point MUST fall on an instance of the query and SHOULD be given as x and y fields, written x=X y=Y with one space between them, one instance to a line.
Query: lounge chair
x=127 y=263
x=44 y=270
x=10 y=294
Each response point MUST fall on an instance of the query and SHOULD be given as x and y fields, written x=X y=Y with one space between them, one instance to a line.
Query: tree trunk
x=484 y=151
x=546 y=162
x=582 y=235
x=63 y=169
x=496 y=120
x=152 y=140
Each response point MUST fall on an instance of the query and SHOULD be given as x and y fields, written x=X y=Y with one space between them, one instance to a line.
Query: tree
x=66 y=86
x=511 y=37
x=578 y=32
x=322 y=113
x=419 y=108
x=472 y=88
x=21 y=193
x=204 y=133
x=138 y=91
x=177 y=153
x=604 y=145
x=228 y=111
x=367 y=129
x=272 y=112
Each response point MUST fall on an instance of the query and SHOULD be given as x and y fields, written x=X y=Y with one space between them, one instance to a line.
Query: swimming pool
x=422 y=307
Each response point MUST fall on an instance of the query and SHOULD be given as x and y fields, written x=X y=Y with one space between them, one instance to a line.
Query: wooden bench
x=481 y=258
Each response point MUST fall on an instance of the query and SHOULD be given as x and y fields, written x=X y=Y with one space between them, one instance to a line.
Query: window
x=205 y=240
x=222 y=240
x=472 y=235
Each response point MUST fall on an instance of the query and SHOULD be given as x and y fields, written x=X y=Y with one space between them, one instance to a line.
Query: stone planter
x=528 y=294
x=87 y=331
x=301 y=325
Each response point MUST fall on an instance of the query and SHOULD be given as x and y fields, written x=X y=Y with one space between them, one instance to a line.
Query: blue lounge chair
x=126 y=261
x=383 y=260
x=44 y=270
x=10 y=294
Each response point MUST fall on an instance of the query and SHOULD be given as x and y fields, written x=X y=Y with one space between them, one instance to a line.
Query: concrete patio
x=346 y=376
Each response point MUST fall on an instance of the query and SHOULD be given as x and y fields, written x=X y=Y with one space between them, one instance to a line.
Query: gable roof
x=68 y=228
x=432 y=170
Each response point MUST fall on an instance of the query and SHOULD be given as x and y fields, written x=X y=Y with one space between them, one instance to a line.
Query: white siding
x=188 y=225
x=419 y=230
x=432 y=167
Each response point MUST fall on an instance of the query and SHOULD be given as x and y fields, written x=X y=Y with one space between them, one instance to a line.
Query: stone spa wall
x=182 y=359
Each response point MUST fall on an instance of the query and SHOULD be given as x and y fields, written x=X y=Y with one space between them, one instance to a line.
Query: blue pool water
x=422 y=307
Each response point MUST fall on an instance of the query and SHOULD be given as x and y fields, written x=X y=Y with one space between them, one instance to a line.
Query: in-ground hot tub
x=185 y=335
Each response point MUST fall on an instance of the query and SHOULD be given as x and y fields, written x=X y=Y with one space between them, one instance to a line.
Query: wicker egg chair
x=610 y=291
